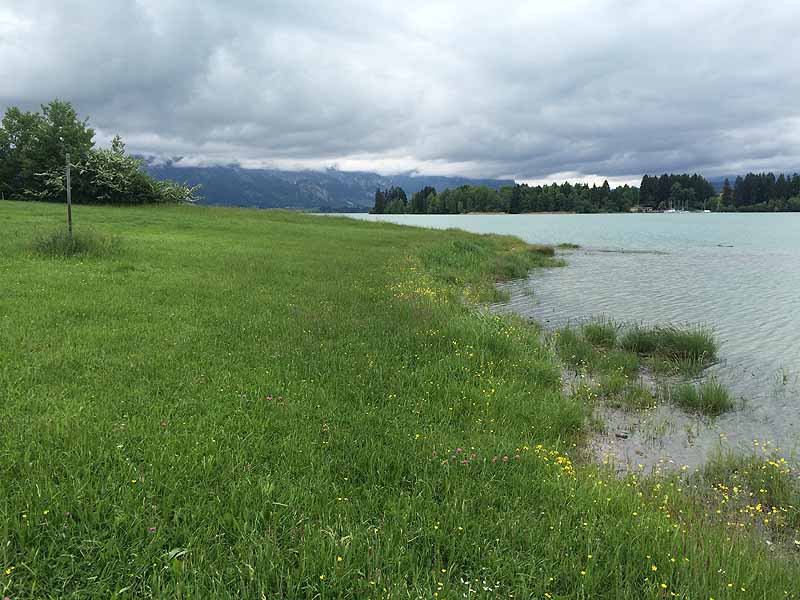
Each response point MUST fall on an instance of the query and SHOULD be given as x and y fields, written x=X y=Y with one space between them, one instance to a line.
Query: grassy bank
x=262 y=404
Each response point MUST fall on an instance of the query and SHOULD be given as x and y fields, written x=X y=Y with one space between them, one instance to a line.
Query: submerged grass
x=265 y=404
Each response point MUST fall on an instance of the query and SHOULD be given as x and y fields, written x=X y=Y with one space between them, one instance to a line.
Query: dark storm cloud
x=525 y=89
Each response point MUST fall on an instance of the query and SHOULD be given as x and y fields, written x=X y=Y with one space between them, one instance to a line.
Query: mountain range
x=327 y=191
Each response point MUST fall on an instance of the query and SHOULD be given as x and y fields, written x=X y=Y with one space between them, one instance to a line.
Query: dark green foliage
x=380 y=203
x=709 y=398
x=692 y=192
x=421 y=200
x=763 y=192
x=33 y=150
x=564 y=197
x=391 y=201
x=726 y=198
x=33 y=143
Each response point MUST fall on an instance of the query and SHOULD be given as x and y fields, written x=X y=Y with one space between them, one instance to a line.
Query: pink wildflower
x=459 y=450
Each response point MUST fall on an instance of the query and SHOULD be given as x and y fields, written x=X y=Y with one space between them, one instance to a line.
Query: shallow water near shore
x=738 y=274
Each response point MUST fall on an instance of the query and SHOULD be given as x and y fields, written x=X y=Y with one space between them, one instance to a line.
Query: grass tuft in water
x=687 y=351
x=709 y=398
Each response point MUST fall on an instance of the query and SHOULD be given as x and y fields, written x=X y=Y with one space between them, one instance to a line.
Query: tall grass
x=673 y=348
x=709 y=398
x=671 y=341
x=59 y=244
x=601 y=333
x=574 y=349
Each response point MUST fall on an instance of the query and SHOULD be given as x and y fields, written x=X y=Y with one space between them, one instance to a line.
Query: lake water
x=739 y=274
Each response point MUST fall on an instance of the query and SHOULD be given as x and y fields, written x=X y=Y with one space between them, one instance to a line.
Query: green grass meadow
x=245 y=404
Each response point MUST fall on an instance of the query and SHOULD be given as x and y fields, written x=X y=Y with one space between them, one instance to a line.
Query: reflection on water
x=738 y=274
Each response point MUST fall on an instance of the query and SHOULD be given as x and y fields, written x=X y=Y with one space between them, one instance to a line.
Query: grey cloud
x=613 y=88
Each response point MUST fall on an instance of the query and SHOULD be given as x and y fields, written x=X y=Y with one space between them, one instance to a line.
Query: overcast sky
x=535 y=90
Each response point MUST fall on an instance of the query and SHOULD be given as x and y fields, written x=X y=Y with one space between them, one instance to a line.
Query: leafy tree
x=33 y=148
x=108 y=176
x=18 y=150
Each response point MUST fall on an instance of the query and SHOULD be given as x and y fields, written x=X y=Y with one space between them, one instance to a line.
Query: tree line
x=33 y=150
x=762 y=192
x=519 y=198
x=753 y=192
x=684 y=191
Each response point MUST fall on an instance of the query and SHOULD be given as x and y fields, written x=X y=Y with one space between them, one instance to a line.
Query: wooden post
x=69 y=200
